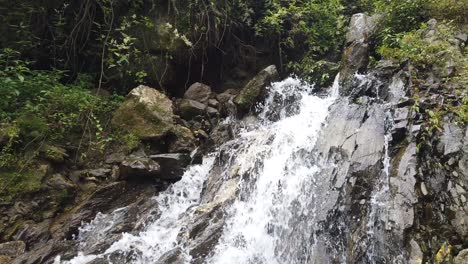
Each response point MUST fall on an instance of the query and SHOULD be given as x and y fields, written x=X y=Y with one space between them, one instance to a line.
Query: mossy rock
x=255 y=88
x=183 y=140
x=53 y=153
x=146 y=113
x=16 y=184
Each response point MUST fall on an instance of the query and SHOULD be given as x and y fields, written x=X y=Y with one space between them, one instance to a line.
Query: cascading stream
x=284 y=190
x=276 y=177
x=273 y=158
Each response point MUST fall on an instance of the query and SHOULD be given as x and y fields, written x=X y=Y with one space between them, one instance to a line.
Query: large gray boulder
x=146 y=112
x=355 y=58
x=361 y=27
x=255 y=88
x=199 y=92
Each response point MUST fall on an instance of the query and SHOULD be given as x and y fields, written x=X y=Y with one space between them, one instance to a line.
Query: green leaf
x=20 y=77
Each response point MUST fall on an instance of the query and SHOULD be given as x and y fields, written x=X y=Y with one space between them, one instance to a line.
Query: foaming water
x=277 y=174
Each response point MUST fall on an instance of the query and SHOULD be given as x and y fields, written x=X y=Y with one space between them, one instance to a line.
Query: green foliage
x=306 y=30
x=130 y=141
x=407 y=15
x=35 y=107
x=452 y=10
x=321 y=72
x=423 y=52
x=401 y=15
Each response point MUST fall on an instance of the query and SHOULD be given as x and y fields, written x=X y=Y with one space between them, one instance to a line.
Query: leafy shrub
x=38 y=107
x=454 y=10
x=423 y=51
x=306 y=31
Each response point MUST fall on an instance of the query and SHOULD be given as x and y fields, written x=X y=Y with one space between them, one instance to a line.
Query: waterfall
x=281 y=191
x=273 y=157
x=279 y=172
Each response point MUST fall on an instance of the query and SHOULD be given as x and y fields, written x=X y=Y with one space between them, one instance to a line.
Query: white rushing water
x=278 y=168
x=274 y=157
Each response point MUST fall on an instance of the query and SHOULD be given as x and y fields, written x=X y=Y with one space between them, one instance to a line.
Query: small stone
x=212 y=111
x=460 y=189
x=454 y=173
x=115 y=172
x=139 y=168
x=462 y=257
x=424 y=189
x=213 y=103
x=189 y=109
x=415 y=129
x=451 y=161
x=463 y=198
x=100 y=173
x=92 y=179
x=201 y=134
x=416 y=255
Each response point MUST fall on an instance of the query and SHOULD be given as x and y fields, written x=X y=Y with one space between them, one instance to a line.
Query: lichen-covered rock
x=182 y=140
x=462 y=257
x=255 y=88
x=146 y=112
x=361 y=27
x=12 y=248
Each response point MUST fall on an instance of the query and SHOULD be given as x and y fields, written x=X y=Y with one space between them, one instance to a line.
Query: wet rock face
x=12 y=249
x=355 y=58
x=46 y=253
x=172 y=165
x=107 y=198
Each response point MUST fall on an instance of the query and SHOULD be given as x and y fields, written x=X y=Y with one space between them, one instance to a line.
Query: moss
x=134 y=118
x=14 y=184
x=12 y=230
x=444 y=255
